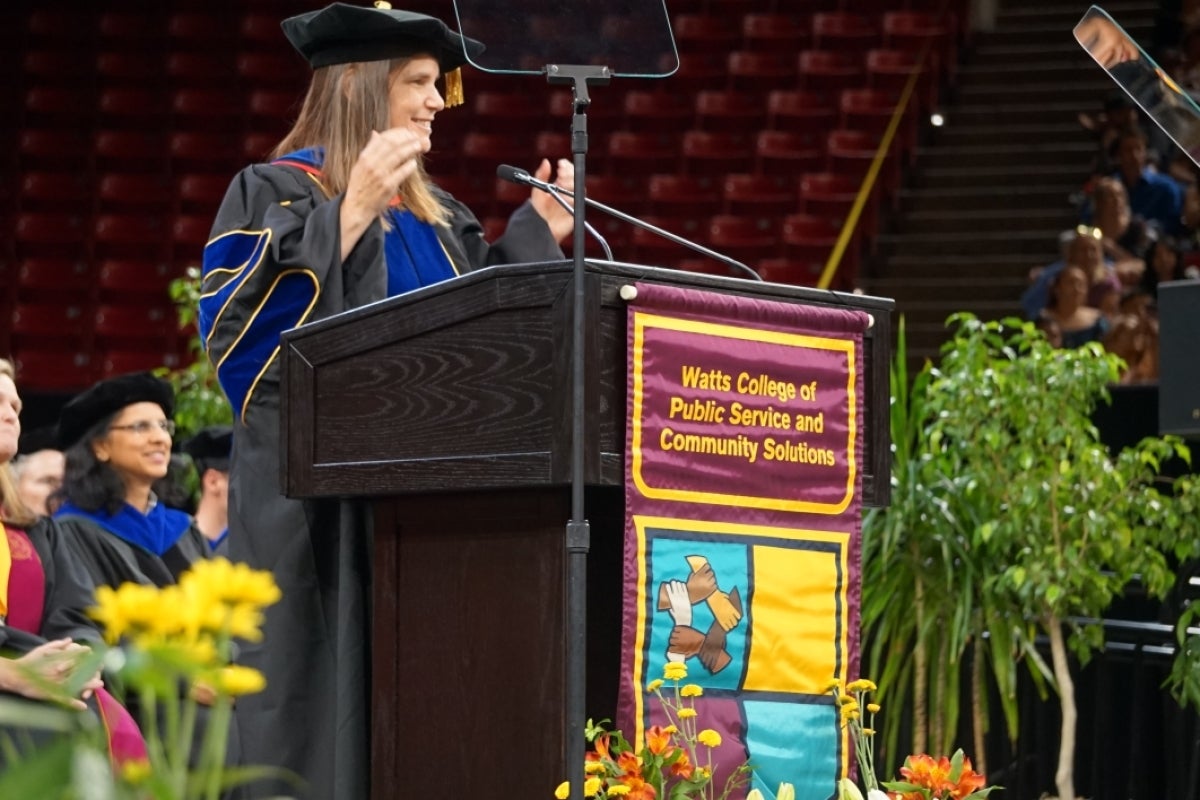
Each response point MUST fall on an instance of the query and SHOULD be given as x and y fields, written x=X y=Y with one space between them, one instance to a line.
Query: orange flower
x=683 y=767
x=638 y=788
x=969 y=781
x=657 y=739
x=922 y=770
x=629 y=764
x=600 y=749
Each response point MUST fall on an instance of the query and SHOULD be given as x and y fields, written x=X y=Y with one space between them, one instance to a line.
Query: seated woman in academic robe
x=45 y=632
x=117 y=439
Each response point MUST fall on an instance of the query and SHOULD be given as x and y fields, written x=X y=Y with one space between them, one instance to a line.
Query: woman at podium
x=343 y=215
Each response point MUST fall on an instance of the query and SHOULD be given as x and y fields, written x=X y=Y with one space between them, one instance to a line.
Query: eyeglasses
x=144 y=427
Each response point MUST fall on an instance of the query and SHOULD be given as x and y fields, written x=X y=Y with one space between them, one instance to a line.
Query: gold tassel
x=454 y=88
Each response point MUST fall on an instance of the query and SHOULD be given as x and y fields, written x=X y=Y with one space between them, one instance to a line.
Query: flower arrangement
x=675 y=762
x=182 y=635
x=925 y=778
x=170 y=648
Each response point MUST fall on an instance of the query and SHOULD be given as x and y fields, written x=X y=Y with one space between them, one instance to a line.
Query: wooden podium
x=450 y=407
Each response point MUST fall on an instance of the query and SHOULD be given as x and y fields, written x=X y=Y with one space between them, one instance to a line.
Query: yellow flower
x=873 y=708
x=618 y=790
x=704 y=772
x=833 y=684
x=754 y=794
x=231 y=583
x=687 y=713
x=786 y=792
x=868 y=731
x=862 y=684
x=690 y=690
x=654 y=685
x=563 y=791
x=670 y=730
x=235 y=680
x=847 y=700
x=592 y=786
x=674 y=670
x=709 y=738
x=135 y=771
x=593 y=767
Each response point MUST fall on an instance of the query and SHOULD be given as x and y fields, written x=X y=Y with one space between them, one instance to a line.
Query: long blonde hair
x=344 y=105
x=12 y=510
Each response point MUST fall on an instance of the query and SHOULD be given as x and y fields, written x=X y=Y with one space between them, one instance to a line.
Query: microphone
x=516 y=175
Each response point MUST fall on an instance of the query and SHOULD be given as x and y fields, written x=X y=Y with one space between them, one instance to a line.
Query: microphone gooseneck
x=514 y=175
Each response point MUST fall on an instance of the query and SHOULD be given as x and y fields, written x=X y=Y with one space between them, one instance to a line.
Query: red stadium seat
x=63 y=26
x=200 y=31
x=708 y=153
x=148 y=326
x=201 y=69
x=278 y=105
x=845 y=31
x=190 y=233
x=800 y=112
x=507 y=112
x=762 y=195
x=748 y=239
x=41 y=321
x=872 y=110
x=58 y=105
x=704 y=33
x=641 y=153
x=650 y=248
x=828 y=72
x=258 y=147
x=123 y=362
x=128 y=107
x=261 y=68
x=122 y=278
x=131 y=190
x=602 y=116
x=554 y=145
x=698 y=71
x=758 y=73
x=794 y=271
x=50 y=235
x=890 y=70
x=53 y=148
x=483 y=152
x=779 y=152
x=730 y=111
x=202 y=190
x=851 y=153
x=51 y=369
x=475 y=191
x=130 y=150
x=130 y=235
x=626 y=193
x=261 y=30
x=913 y=30
x=677 y=195
x=54 y=280
x=206 y=109
x=119 y=29
x=657 y=112
x=208 y=151
x=55 y=66
x=138 y=67
x=764 y=32
x=831 y=194
x=807 y=238
x=63 y=191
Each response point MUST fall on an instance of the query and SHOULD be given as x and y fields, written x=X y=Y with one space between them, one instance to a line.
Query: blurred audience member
x=1134 y=337
x=210 y=450
x=1079 y=322
x=1125 y=238
x=1085 y=250
x=38 y=475
x=1154 y=197
x=1166 y=264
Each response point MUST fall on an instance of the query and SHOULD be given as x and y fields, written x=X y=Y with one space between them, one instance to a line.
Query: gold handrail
x=864 y=191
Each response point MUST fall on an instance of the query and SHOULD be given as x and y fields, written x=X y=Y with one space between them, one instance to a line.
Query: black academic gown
x=313 y=718
x=67 y=594
x=110 y=560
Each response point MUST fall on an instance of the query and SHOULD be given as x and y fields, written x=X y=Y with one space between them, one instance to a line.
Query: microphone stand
x=578 y=532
